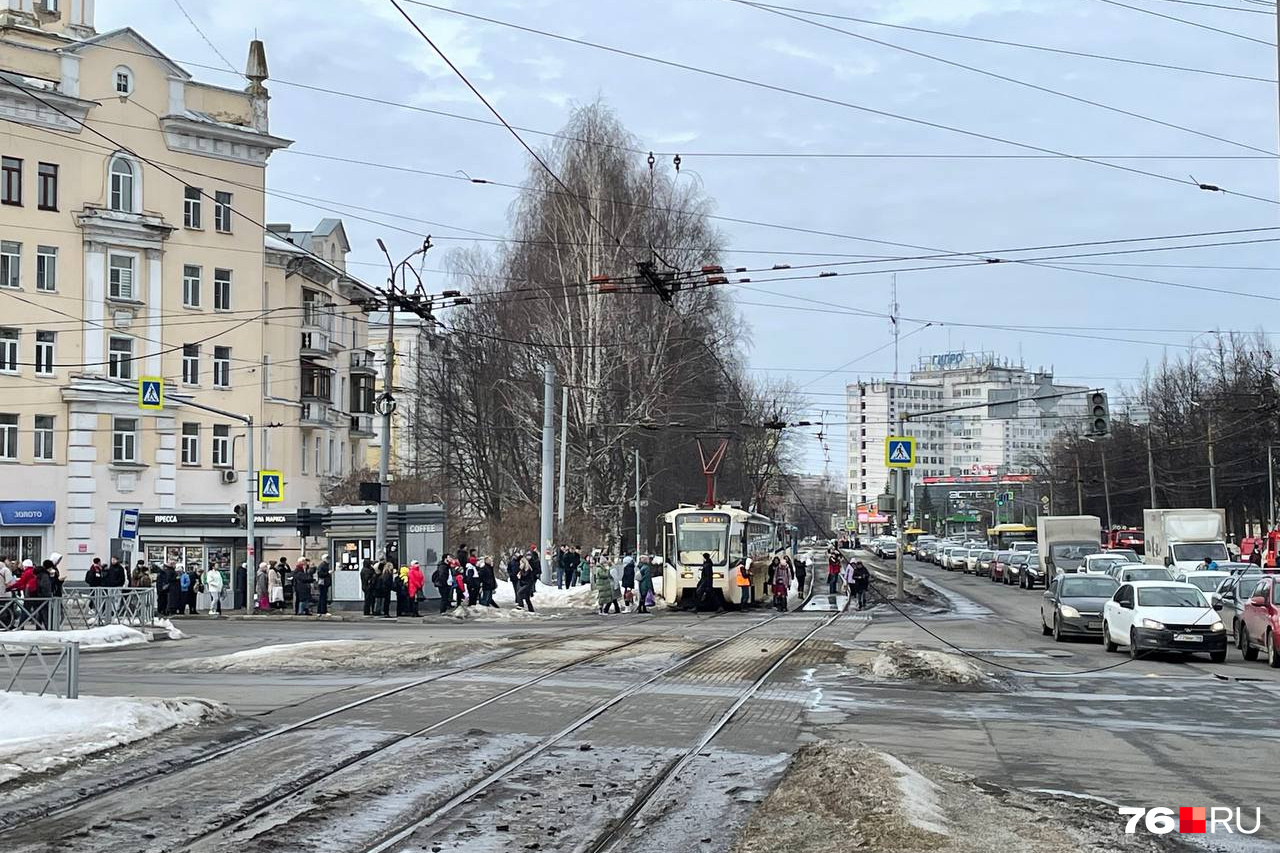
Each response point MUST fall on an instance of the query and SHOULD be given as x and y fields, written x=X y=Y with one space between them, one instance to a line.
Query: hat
x=55 y=558
x=27 y=564
x=415 y=563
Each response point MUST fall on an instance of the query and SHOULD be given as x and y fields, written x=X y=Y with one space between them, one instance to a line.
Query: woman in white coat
x=213 y=586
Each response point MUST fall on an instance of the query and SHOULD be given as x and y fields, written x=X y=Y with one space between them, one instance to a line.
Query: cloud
x=844 y=70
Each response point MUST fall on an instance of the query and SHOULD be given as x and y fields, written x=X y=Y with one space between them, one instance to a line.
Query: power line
x=207 y=41
x=997 y=76
x=1196 y=24
x=772 y=87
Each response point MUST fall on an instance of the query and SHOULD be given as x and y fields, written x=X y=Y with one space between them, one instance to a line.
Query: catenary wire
x=1196 y=24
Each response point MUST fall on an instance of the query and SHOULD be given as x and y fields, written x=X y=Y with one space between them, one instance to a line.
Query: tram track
x=16 y=821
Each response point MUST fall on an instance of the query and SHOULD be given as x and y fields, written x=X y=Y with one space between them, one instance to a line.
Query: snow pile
x=169 y=628
x=546 y=595
x=319 y=656
x=899 y=662
x=919 y=797
x=45 y=733
x=106 y=636
x=510 y=613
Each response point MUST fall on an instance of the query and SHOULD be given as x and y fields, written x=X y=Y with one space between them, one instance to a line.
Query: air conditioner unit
x=229 y=476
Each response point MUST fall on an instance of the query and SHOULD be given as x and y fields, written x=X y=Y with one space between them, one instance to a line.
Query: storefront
x=415 y=532
x=26 y=530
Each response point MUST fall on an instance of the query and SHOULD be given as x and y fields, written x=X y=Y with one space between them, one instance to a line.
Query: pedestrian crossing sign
x=151 y=393
x=899 y=452
x=270 y=487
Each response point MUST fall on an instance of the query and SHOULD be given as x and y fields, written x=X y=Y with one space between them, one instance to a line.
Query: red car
x=1260 y=623
x=998 y=564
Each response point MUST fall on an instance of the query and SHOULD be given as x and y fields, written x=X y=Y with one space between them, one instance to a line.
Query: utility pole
x=1106 y=485
x=250 y=559
x=1271 y=484
x=1079 y=485
x=1213 y=471
x=1151 y=469
x=902 y=526
x=637 y=452
x=548 y=467
x=564 y=451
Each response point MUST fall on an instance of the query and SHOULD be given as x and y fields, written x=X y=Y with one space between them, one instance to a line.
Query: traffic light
x=241 y=510
x=304 y=522
x=1000 y=499
x=1099 y=414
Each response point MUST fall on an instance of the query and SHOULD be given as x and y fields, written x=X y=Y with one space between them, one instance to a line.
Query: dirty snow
x=105 y=636
x=44 y=733
x=899 y=662
x=919 y=797
x=169 y=628
x=510 y=613
x=546 y=595
x=319 y=656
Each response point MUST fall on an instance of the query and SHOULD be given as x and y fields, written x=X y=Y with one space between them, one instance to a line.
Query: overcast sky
x=1089 y=328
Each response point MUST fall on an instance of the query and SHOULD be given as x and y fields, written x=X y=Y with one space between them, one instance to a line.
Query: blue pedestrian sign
x=151 y=393
x=899 y=452
x=270 y=487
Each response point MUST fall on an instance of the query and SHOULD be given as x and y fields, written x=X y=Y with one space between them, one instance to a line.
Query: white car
x=1207 y=581
x=1101 y=564
x=1163 y=616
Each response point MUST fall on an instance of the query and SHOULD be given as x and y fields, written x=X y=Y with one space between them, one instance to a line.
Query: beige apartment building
x=132 y=245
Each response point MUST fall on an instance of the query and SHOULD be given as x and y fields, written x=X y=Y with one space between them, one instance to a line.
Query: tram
x=730 y=535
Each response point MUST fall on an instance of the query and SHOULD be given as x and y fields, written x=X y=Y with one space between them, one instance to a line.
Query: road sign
x=900 y=452
x=151 y=393
x=128 y=524
x=270 y=487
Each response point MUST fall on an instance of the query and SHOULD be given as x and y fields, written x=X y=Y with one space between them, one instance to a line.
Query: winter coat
x=114 y=575
x=861 y=578
x=45 y=581
x=782 y=576
x=95 y=575
x=301 y=584
x=488 y=578
x=6 y=578
x=141 y=579
x=528 y=581
x=213 y=582
x=324 y=576
x=602 y=583
x=367 y=578
x=628 y=574
x=26 y=582
x=262 y=584
x=440 y=578
x=646 y=580
x=416 y=581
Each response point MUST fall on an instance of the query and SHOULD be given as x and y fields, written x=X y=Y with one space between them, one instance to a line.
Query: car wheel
x=1045 y=630
x=1239 y=637
x=1247 y=648
x=1134 y=651
x=1273 y=654
x=1107 y=642
x=1218 y=657
x=1057 y=630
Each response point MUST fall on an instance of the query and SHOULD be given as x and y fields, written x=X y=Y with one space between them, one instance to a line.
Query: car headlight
x=1069 y=612
x=1152 y=623
x=1218 y=626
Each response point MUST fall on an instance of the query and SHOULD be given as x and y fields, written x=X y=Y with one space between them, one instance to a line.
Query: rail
x=44 y=666
x=79 y=609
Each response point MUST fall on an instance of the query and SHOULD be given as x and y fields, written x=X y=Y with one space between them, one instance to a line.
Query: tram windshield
x=702 y=534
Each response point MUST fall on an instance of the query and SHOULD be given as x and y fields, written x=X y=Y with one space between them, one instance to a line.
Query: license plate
x=1095 y=626
x=1188 y=638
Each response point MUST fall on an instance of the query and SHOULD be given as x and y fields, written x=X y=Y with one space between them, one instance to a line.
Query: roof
x=277 y=243
x=131 y=33
x=1149 y=583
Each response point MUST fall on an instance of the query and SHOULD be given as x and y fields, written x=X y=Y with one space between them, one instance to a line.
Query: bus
x=1002 y=536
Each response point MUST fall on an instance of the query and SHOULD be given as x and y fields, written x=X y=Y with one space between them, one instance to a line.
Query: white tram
x=730 y=535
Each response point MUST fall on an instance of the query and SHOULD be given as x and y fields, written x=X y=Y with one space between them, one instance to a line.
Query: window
x=44 y=438
x=124 y=440
x=222 y=446
x=123 y=81
x=303 y=445
x=342 y=458
x=192 y=198
x=266 y=378
x=120 y=358
x=190 y=364
x=44 y=353
x=10 y=264
x=47 y=186
x=9 y=350
x=190 y=444
x=221 y=290
x=120 y=277
x=222 y=367
x=47 y=268
x=122 y=186
x=190 y=286
x=222 y=211
x=8 y=436
x=11 y=181
x=317 y=459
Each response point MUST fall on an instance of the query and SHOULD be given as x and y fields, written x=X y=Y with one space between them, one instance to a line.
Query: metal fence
x=42 y=669
x=79 y=609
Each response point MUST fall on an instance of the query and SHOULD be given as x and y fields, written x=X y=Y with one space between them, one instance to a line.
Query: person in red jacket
x=26 y=582
x=416 y=582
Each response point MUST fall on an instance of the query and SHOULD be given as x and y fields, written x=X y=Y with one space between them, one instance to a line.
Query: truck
x=1063 y=542
x=1180 y=539
x=1125 y=537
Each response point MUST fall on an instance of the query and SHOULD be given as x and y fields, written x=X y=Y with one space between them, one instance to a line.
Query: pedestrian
x=628 y=581
x=802 y=572
x=861 y=583
x=386 y=585
x=846 y=575
x=324 y=580
x=471 y=576
x=94 y=576
x=262 y=585
x=213 y=585
x=115 y=575
x=645 y=591
x=528 y=578
x=742 y=578
x=28 y=586
x=562 y=566
x=834 y=560
x=440 y=580
x=782 y=584
x=368 y=577
x=276 y=582
x=194 y=586
x=706 y=581
x=488 y=583
x=603 y=582
x=400 y=586
x=164 y=577
x=301 y=581
x=773 y=568
x=575 y=566
x=8 y=607
x=513 y=573
x=141 y=577
x=57 y=574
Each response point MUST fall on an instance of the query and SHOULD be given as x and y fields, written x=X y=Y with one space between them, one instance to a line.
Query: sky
x=1089 y=320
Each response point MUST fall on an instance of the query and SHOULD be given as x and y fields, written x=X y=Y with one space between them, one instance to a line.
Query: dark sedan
x=1012 y=571
x=1072 y=605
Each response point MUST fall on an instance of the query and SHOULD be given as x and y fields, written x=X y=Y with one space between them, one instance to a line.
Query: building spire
x=256 y=73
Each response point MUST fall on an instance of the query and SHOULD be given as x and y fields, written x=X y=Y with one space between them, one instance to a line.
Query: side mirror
x=1258 y=601
x=1127 y=605
x=1216 y=605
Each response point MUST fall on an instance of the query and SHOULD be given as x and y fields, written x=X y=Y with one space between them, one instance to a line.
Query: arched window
x=123 y=185
x=123 y=81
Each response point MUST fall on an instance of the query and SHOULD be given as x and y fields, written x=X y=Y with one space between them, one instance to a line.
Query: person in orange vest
x=742 y=577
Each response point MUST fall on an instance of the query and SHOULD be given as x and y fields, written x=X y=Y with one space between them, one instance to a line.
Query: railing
x=362 y=424
x=313 y=414
x=32 y=667
x=79 y=609
x=362 y=359
x=317 y=342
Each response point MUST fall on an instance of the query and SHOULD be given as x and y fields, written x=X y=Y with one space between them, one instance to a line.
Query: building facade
x=417 y=347
x=131 y=245
x=964 y=443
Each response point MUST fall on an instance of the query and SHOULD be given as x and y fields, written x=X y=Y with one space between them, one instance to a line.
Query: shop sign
x=33 y=513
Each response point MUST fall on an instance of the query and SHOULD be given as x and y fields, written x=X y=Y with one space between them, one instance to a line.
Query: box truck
x=1180 y=539
x=1063 y=542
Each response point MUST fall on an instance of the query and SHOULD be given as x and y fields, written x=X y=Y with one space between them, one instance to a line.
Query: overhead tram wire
x=830 y=101
x=1216 y=6
x=1196 y=24
x=207 y=41
x=1004 y=77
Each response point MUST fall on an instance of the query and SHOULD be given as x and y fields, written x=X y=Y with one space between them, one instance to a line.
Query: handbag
x=649 y=600
x=277 y=594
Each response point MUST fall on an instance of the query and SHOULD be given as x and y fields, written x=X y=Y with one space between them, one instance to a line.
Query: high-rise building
x=964 y=442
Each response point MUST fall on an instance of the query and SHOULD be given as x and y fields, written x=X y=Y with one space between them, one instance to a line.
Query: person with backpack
x=213 y=584
x=471 y=576
x=861 y=582
x=442 y=580
x=782 y=584
x=488 y=582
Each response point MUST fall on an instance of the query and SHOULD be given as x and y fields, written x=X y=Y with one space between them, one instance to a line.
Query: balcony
x=316 y=415
x=362 y=361
x=315 y=344
x=362 y=426
x=317 y=384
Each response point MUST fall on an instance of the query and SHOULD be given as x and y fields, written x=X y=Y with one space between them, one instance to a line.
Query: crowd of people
x=851 y=573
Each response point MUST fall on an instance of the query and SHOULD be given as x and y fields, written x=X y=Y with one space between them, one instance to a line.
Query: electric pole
x=548 y=468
